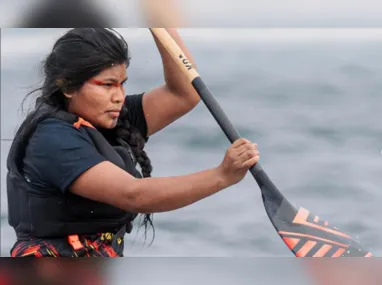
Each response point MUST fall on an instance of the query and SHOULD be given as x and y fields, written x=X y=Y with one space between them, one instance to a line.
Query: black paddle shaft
x=269 y=190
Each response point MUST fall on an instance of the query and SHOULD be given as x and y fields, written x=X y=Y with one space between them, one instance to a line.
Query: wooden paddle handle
x=176 y=53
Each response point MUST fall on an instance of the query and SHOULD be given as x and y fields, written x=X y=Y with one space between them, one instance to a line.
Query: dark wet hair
x=77 y=56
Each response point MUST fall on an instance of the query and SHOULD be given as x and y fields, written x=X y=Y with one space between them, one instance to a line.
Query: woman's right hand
x=239 y=157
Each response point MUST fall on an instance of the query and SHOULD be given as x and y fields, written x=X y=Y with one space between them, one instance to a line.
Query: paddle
x=304 y=233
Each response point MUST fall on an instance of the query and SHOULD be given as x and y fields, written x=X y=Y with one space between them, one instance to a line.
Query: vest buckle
x=74 y=241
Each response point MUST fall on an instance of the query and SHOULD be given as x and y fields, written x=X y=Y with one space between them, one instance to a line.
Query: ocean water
x=309 y=98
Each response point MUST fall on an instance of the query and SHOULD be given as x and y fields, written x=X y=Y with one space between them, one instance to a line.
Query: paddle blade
x=305 y=234
x=309 y=236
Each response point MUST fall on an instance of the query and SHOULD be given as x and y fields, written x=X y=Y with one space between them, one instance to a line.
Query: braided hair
x=132 y=136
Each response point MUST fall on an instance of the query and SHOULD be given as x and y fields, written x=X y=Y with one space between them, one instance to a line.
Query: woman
x=73 y=187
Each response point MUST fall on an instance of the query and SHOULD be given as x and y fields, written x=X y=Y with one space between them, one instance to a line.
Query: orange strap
x=82 y=122
x=74 y=241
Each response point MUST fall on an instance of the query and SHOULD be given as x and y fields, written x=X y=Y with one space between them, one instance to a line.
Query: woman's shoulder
x=58 y=132
x=50 y=123
x=57 y=152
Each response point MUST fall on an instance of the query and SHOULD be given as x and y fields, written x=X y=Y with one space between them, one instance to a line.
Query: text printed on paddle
x=186 y=62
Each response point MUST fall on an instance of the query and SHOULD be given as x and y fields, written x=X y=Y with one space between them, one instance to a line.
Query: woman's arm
x=109 y=184
x=165 y=104
x=175 y=80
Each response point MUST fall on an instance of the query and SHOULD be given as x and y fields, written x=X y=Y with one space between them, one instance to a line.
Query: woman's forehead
x=117 y=70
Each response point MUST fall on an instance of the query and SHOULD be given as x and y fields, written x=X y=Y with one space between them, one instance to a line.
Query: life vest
x=55 y=214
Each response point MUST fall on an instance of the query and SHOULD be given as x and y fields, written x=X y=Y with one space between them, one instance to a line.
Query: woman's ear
x=67 y=95
x=62 y=84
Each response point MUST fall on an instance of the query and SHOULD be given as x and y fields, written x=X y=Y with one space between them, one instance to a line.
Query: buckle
x=74 y=241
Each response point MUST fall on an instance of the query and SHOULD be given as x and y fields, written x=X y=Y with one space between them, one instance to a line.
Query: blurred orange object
x=163 y=13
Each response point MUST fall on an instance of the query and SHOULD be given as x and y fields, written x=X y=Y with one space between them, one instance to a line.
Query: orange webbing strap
x=75 y=242
x=81 y=122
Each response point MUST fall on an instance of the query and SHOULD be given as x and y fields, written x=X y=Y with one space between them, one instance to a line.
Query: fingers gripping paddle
x=304 y=233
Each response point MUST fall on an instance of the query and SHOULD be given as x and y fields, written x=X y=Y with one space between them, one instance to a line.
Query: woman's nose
x=118 y=95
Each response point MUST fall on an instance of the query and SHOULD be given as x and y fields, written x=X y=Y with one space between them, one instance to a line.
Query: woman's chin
x=112 y=124
x=109 y=124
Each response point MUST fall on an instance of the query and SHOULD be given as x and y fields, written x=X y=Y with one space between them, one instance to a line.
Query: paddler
x=73 y=185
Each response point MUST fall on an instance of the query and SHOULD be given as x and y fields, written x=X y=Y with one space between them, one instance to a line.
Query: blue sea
x=310 y=98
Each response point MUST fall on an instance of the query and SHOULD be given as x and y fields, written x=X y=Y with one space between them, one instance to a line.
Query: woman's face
x=100 y=99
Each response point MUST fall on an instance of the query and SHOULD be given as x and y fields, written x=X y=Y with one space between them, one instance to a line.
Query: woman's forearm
x=161 y=194
x=175 y=80
x=107 y=183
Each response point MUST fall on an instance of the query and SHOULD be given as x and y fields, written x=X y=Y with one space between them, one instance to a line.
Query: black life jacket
x=58 y=215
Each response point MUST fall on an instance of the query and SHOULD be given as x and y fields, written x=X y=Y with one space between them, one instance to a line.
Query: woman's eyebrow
x=114 y=80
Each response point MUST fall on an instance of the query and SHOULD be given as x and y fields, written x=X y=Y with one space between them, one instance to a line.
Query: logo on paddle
x=186 y=62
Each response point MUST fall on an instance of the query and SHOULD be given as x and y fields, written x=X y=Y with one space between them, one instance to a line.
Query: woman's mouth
x=114 y=113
